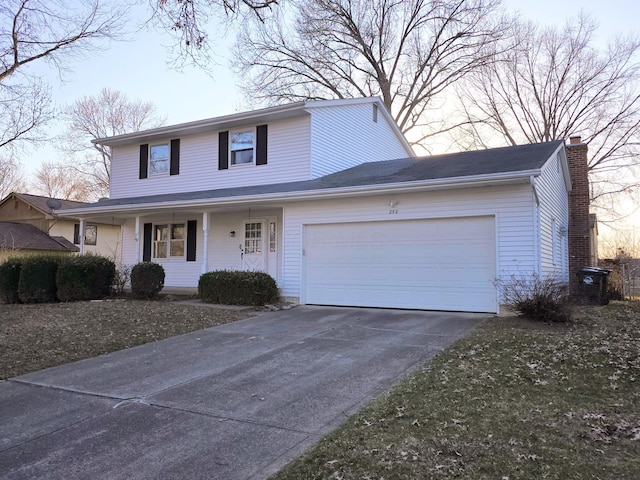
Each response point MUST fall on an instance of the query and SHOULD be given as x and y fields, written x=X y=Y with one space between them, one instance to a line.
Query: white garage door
x=444 y=264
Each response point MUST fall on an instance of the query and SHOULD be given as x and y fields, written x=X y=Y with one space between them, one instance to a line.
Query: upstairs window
x=159 y=159
x=241 y=147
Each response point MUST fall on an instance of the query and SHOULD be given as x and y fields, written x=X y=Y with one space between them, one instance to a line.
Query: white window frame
x=152 y=173
x=169 y=240
x=232 y=150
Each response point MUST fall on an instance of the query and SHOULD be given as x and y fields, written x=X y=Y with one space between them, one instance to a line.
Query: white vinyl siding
x=288 y=160
x=346 y=136
x=512 y=206
x=554 y=208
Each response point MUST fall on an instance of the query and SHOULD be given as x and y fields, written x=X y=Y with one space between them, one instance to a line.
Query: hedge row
x=237 y=288
x=49 y=278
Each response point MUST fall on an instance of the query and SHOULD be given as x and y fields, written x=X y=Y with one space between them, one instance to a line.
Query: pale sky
x=139 y=67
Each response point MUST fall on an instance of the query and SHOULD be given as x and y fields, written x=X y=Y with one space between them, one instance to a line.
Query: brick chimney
x=578 y=240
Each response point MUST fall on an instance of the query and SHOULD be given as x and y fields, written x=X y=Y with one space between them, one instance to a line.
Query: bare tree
x=54 y=31
x=188 y=20
x=550 y=83
x=11 y=177
x=60 y=180
x=106 y=114
x=408 y=52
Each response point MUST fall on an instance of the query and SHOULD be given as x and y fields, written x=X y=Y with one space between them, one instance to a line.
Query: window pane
x=159 y=152
x=241 y=157
x=177 y=248
x=272 y=237
x=177 y=231
x=159 y=159
x=159 y=166
x=242 y=140
x=161 y=232
x=91 y=234
x=242 y=148
x=160 y=249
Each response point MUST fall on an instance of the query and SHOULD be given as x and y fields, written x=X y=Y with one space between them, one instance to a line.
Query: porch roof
x=507 y=164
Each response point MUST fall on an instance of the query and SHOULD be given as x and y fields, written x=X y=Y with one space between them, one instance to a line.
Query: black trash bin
x=593 y=283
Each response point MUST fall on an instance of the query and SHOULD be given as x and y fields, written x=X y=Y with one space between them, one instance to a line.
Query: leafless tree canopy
x=60 y=180
x=107 y=114
x=405 y=51
x=54 y=31
x=11 y=177
x=188 y=20
x=551 y=83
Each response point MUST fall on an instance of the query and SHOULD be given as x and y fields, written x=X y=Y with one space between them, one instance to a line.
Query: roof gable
x=41 y=203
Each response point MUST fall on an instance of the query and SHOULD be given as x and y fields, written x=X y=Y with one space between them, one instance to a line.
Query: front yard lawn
x=33 y=337
x=514 y=400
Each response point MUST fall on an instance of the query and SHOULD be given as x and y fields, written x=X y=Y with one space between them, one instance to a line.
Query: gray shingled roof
x=491 y=162
x=40 y=202
x=22 y=236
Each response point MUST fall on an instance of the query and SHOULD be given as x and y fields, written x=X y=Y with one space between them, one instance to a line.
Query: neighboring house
x=328 y=198
x=24 y=239
x=101 y=238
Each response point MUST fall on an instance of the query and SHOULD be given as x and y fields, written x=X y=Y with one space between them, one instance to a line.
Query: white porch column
x=205 y=242
x=137 y=239
x=82 y=233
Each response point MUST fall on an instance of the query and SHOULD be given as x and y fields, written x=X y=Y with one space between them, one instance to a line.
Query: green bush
x=237 y=288
x=86 y=277
x=147 y=279
x=37 y=282
x=542 y=299
x=9 y=279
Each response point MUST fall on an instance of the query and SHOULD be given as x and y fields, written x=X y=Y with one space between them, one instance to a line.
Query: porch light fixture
x=232 y=233
x=393 y=203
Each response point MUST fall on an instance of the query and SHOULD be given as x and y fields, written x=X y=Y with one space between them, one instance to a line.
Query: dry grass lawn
x=513 y=400
x=33 y=337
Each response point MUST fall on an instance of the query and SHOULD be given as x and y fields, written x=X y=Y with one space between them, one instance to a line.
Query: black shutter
x=192 y=233
x=76 y=234
x=174 y=168
x=223 y=150
x=144 y=159
x=261 y=145
x=146 y=243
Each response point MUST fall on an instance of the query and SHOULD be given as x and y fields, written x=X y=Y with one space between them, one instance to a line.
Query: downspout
x=536 y=226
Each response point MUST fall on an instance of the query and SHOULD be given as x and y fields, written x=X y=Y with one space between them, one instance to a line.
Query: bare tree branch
x=549 y=84
x=60 y=180
x=405 y=51
x=107 y=114
x=11 y=177
x=54 y=31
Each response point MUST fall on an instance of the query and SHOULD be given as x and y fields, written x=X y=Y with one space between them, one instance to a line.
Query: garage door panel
x=446 y=264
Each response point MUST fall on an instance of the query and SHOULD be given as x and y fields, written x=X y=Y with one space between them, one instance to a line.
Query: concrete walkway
x=232 y=402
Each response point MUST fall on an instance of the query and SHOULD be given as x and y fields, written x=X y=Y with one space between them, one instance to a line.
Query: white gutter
x=398 y=187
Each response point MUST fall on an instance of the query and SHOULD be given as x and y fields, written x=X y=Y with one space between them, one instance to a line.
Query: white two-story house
x=329 y=199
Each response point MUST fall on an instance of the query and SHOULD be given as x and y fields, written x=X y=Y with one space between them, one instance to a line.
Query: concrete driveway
x=232 y=402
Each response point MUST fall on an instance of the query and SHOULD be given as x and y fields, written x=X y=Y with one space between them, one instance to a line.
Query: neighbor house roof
x=22 y=236
x=43 y=204
x=499 y=164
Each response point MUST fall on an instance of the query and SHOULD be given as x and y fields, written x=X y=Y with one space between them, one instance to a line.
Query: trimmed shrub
x=542 y=299
x=237 y=288
x=37 y=282
x=9 y=279
x=86 y=277
x=147 y=279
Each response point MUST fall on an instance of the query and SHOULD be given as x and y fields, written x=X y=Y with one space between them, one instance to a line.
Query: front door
x=253 y=251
